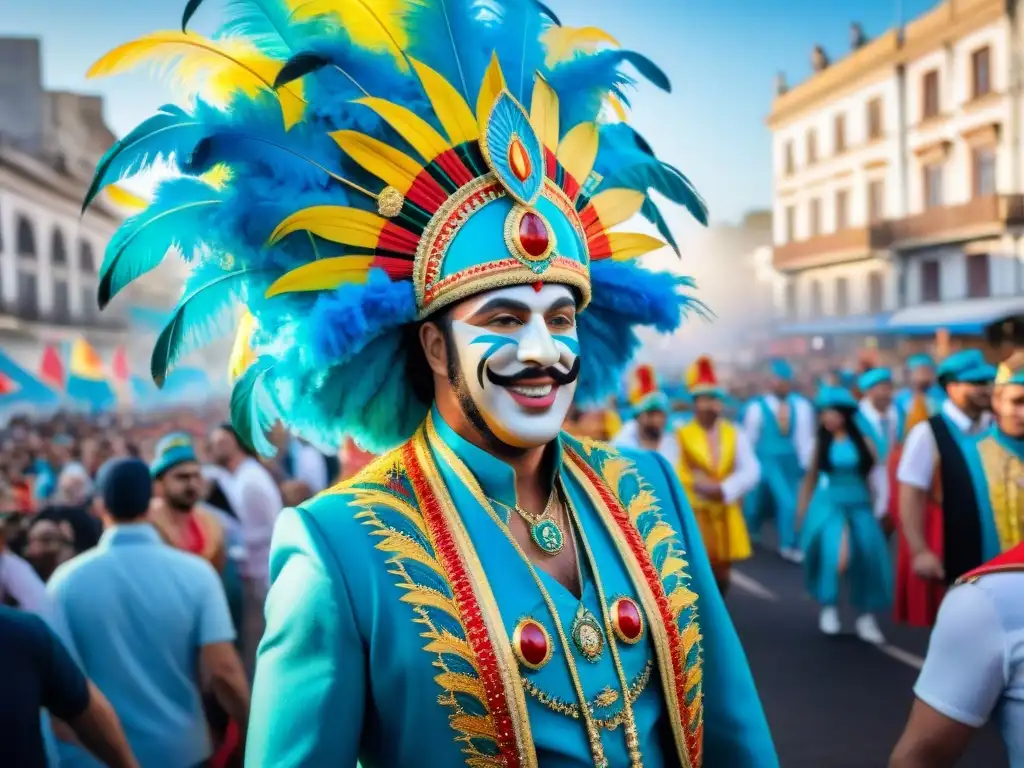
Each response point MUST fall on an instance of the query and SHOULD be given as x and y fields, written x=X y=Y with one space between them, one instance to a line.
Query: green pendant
x=587 y=635
x=548 y=536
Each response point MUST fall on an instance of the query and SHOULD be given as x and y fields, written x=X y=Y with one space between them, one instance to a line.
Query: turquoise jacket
x=996 y=463
x=398 y=608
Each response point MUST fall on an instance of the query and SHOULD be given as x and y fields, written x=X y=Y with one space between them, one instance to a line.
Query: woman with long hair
x=840 y=536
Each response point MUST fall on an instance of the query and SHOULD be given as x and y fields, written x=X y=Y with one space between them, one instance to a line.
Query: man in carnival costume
x=490 y=591
x=648 y=429
x=780 y=425
x=879 y=418
x=938 y=514
x=922 y=386
x=718 y=467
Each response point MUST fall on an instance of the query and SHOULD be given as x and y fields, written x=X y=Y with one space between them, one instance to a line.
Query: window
x=876 y=292
x=978 y=274
x=839 y=137
x=842 y=209
x=814 y=216
x=815 y=298
x=875 y=119
x=812 y=147
x=790 y=223
x=933 y=185
x=984 y=160
x=86 y=259
x=61 y=301
x=876 y=201
x=28 y=295
x=26 y=238
x=930 y=94
x=842 y=296
x=788 y=162
x=791 y=313
x=931 y=282
x=89 y=307
x=981 y=81
x=58 y=253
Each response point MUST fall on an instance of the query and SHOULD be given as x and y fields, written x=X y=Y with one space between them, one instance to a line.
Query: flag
x=89 y=385
x=86 y=362
x=122 y=375
x=7 y=385
x=51 y=369
x=21 y=392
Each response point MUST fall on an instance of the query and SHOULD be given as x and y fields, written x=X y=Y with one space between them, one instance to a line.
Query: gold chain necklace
x=592 y=728
x=544 y=529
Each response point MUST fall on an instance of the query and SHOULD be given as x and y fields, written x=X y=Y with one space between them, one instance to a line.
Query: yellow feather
x=451 y=109
x=563 y=43
x=322 y=275
x=122 y=198
x=376 y=25
x=214 y=69
x=544 y=113
x=218 y=176
x=632 y=245
x=614 y=206
x=348 y=226
x=414 y=129
x=388 y=164
x=493 y=84
x=615 y=103
x=578 y=151
x=242 y=354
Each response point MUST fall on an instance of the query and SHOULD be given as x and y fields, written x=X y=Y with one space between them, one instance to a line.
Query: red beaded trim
x=496 y=267
x=471 y=616
x=643 y=558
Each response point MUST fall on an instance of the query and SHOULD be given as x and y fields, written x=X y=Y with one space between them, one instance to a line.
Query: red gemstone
x=533 y=643
x=533 y=234
x=627 y=615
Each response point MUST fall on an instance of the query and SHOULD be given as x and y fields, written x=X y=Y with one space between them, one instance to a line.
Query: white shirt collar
x=962 y=420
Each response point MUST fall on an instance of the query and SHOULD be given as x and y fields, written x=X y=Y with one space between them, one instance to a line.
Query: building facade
x=898 y=180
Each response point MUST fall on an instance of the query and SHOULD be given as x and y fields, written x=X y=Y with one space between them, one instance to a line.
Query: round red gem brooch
x=529 y=237
x=531 y=644
x=627 y=620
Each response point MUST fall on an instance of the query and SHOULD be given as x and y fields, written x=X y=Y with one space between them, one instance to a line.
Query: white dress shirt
x=878 y=479
x=803 y=425
x=629 y=437
x=746 y=469
x=20 y=580
x=259 y=504
x=917 y=464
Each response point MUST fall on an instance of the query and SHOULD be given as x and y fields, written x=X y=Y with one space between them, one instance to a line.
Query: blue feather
x=447 y=36
x=175 y=219
x=170 y=133
x=515 y=36
x=253 y=412
x=203 y=312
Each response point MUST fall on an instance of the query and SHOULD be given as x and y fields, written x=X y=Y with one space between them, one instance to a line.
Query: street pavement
x=831 y=702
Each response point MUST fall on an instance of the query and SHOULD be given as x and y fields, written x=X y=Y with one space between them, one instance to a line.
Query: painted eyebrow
x=562 y=303
x=502 y=303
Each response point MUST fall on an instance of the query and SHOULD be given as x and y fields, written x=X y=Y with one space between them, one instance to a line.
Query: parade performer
x=718 y=467
x=648 y=429
x=840 y=536
x=996 y=464
x=490 y=591
x=680 y=402
x=936 y=500
x=780 y=426
x=878 y=418
x=974 y=669
x=923 y=386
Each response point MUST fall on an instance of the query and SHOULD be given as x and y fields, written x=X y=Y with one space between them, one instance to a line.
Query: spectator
x=49 y=543
x=74 y=486
x=162 y=610
x=259 y=502
x=39 y=673
x=20 y=585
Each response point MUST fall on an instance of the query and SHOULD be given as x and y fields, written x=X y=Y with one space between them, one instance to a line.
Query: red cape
x=917 y=600
x=1011 y=560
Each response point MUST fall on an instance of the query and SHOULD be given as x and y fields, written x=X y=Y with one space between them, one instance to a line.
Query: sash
x=1010 y=560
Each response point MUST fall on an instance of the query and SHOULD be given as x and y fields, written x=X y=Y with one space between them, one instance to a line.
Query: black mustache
x=560 y=377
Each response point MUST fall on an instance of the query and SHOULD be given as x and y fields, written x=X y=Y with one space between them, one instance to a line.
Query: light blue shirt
x=135 y=612
x=974 y=670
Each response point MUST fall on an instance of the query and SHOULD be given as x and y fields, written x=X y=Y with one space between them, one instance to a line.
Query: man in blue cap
x=878 y=417
x=933 y=467
x=922 y=384
x=780 y=425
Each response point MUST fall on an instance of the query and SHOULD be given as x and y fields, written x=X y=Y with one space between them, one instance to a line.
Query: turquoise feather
x=203 y=313
x=175 y=219
x=445 y=35
x=515 y=37
x=171 y=132
x=507 y=121
x=253 y=411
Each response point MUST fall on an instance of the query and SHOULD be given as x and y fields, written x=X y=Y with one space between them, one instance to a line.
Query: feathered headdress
x=701 y=378
x=350 y=167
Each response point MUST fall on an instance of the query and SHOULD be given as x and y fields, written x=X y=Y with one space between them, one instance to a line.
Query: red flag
x=7 y=387
x=51 y=369
x=119 y=366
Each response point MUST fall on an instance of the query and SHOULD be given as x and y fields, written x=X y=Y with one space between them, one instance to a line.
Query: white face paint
x=501 y=335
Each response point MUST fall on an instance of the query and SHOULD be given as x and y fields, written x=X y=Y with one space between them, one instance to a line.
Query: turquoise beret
x=873 y=378
x=954 y=366
x=834 y=397
x=172 y=450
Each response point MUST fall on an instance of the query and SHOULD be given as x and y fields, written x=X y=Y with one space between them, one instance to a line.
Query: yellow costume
x=712 y=456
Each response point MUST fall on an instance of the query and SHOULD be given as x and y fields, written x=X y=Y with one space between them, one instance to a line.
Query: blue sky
x=721 y=56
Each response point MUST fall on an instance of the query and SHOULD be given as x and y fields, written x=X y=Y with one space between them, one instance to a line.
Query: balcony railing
x=62 y=317
x=979 y=216
x=835 y=247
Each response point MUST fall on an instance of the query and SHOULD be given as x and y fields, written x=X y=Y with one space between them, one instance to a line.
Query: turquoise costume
x=370 y=173
x=842 y=504
x=934 y=395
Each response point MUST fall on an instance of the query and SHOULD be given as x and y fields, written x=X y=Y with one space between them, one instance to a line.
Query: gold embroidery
x=603 y=700
x=1005 y=475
